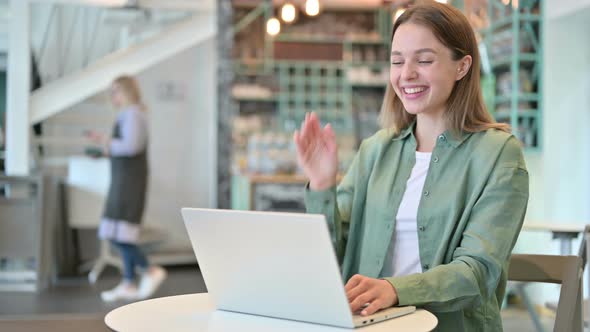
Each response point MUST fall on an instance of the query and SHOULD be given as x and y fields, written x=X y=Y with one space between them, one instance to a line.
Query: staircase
x=79 y=49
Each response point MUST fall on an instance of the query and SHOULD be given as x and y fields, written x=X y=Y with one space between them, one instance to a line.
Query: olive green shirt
x=470 y=213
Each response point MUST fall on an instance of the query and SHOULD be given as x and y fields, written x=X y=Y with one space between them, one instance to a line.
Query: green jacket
x=472 y=209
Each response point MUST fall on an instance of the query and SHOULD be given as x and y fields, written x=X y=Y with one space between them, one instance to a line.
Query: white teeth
x=413 y=90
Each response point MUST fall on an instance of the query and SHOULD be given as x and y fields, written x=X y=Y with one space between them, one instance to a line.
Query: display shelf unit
x=335 y=64
x=358 y=61
x=313 y=86
x=513 y=38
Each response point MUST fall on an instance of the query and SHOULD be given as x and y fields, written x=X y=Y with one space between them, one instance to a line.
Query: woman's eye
x=396 y=63
x=425 y=62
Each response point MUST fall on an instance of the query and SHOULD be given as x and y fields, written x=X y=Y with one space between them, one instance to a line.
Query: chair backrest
x=584 y=249
x=564 y=270
x=584 y=253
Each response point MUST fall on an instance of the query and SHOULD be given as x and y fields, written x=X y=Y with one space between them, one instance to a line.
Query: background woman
x=126 y=197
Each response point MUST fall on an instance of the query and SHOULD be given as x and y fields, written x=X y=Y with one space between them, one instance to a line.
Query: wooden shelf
x=530 y=113
x=369 y=84
x=531 y=97
x=280 y=178
x=506 y=61
x=277 y=178
x=256 y=99
x=506 y=21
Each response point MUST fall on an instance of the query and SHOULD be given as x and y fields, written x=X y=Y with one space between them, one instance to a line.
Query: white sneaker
x=123 y=291
x=150 y=281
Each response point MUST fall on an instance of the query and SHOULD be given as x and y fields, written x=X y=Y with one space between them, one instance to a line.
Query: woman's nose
x=409 y=71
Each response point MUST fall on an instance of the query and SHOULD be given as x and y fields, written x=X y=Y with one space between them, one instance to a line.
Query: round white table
x=195 y=313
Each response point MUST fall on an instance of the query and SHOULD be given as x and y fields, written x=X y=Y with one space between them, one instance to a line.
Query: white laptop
x=273 y=264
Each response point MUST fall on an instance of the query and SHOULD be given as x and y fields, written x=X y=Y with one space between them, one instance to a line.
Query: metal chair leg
x=529 y=306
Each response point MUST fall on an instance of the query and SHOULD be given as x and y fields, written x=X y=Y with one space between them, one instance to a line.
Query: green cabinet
x=2 y=98
x=313 y=86
x=512 y=59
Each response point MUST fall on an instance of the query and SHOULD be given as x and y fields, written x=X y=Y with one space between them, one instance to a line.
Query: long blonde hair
x=130 y=88
x=466 y=110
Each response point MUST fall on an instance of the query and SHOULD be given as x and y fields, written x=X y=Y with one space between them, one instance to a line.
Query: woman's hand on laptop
x=317 y=152
x=377 y=293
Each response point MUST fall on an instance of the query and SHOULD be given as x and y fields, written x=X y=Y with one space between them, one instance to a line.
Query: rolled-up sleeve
x=336 y=205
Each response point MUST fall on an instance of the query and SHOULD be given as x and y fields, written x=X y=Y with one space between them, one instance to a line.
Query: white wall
x=567 y=116
x=560 y=8
x=182 y=139
x=560 y=174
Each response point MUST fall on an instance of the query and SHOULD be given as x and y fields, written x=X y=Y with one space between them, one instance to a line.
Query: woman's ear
x=464 y=66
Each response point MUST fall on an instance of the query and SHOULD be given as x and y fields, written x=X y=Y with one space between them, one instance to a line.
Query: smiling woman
x=442 y=56
x=431 y=206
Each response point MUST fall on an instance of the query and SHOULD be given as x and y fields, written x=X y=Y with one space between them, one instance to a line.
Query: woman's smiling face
x=423 y=72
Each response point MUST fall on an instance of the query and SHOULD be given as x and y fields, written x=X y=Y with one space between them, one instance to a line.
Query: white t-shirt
x=403 y=255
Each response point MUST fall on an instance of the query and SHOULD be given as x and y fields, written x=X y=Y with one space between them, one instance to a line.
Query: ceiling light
x=288 y=13
x=273 y=26
x=312 y=7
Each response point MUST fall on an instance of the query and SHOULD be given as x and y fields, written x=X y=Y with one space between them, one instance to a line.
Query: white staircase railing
x=68 y=37
x=67 y=91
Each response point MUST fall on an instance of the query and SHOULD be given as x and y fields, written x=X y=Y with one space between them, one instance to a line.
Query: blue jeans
x=132 y=257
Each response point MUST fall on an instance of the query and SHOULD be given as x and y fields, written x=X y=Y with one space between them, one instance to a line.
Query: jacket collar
x=404 y=133
x=448 y=136
x=456 y=139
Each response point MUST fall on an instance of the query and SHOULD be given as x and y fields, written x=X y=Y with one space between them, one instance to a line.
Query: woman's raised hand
x=317 y=152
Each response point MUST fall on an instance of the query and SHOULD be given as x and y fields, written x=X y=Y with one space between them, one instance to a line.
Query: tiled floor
x=77 y=296
x=74 y=305
x=518 y=320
